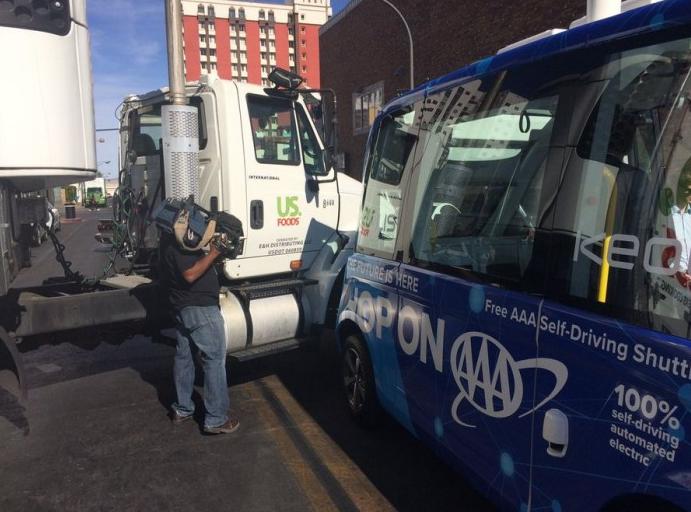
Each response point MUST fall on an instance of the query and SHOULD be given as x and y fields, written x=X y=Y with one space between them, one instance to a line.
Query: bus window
x=623 y=207
x=480 y=183
x=391 y=158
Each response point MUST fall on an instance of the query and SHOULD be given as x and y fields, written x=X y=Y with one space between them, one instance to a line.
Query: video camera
x=195 y=227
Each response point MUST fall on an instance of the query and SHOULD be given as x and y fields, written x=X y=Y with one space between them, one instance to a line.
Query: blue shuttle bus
x=520 y=299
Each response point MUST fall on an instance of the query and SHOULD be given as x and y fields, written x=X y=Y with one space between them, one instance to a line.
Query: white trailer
x=47 y=136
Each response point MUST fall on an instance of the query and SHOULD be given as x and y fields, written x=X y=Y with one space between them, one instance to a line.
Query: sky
x=128 y=51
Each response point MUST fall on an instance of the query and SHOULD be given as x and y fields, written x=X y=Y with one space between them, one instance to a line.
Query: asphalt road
x=94 y=432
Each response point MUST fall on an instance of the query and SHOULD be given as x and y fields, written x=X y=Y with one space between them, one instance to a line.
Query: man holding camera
x=190 y=281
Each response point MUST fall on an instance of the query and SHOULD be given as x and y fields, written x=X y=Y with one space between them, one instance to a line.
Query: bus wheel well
x=346 y=328
x=359 y=382
x=640 y=503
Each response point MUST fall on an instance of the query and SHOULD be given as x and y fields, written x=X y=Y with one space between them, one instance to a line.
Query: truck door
x=289 y=217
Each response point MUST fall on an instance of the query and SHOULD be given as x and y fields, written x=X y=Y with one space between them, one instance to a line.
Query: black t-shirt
x=173 y=262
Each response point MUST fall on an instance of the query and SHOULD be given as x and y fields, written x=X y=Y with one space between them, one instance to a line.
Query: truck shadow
x=12 y=409
x=407 y=473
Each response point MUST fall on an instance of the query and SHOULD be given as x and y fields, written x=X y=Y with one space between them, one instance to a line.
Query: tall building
x=245 y=40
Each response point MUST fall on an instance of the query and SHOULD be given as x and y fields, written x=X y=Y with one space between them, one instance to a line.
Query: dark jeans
x=203 y=326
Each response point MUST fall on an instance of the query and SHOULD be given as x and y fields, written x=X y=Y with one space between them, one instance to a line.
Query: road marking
x=305 y=477
x=338 y=476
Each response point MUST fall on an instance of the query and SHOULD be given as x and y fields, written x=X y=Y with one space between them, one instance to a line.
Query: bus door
x=375 y=266
x=476 y=233
x=620 y=272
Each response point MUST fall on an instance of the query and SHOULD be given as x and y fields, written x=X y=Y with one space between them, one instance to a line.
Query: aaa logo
x=489 y=378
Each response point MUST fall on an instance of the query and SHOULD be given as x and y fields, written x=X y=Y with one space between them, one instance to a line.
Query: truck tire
x=358 y=382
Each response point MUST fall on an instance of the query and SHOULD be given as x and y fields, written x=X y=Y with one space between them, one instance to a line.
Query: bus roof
x=649 y=18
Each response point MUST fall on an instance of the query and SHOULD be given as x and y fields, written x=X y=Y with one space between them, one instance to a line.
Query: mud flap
x=16 y=363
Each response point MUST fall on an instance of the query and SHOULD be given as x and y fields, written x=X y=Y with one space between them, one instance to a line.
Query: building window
x=212 y=11
x=271 y=16
x=302 y=29
x=235 y=69
x=366 y=104
x=202 y=38
x=231 y=12
x=262 y=30
x=212 y=52
x=200 y=9
x=212 y=39
x=302 y=42
x=272 y=44
x=262 y=14
x=304 y=69
x=290 y=18
x=212 y=66
x=302 y=17
x=242 y=15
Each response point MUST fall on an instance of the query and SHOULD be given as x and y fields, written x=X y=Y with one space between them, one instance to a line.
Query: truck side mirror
x=313 y=186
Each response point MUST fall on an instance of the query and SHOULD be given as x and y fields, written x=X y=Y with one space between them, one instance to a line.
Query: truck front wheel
x=358 y=382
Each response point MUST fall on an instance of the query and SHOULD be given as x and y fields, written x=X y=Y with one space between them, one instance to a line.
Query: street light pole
x=410 y=40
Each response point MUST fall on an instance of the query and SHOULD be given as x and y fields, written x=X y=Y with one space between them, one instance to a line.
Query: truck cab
x=262 y=158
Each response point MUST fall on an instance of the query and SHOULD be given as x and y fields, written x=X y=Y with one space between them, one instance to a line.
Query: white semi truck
x=263 y=160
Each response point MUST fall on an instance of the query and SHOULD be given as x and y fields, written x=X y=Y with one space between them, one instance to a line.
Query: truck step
x=268 y=349
x=270 y=289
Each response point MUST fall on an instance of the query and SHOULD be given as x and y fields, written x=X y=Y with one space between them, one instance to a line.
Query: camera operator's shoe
x=177 y=418
x=229 y=426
